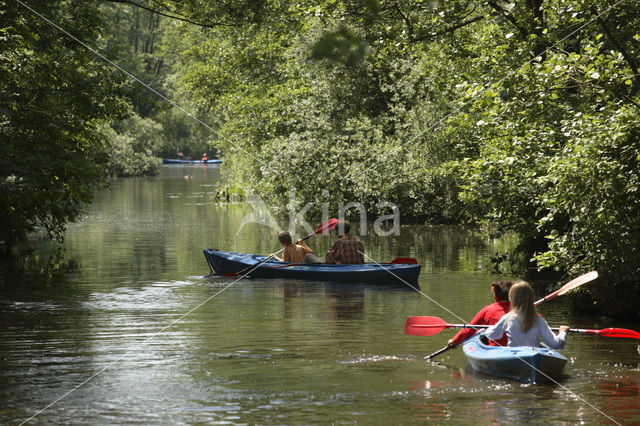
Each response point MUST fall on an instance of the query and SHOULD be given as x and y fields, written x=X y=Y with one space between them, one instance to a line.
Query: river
x=91 y=344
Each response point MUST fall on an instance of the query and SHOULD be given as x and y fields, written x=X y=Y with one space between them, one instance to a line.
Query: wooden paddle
x=428 y=326
x=323 y=228
x=574 y=283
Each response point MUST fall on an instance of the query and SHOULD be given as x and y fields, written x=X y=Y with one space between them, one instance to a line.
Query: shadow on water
x=346 y=301
x=40 y=262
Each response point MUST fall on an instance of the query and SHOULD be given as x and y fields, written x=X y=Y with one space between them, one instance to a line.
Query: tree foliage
x=133 y=141
x=147 y=45
x=54 y=97
x=519 y=115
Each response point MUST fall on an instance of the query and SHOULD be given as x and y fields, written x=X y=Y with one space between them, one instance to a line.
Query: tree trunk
x=538 y=25
x=136 y=29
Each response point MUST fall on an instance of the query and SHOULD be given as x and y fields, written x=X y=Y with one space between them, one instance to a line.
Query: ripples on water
x=265 y=351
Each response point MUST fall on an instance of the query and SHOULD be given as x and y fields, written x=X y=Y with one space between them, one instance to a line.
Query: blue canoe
x=176 y=161
x=523 y=363
x=224 y=262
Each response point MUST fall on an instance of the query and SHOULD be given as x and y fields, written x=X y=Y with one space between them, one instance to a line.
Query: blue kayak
x=523 y=363
x=176 y=161
x=225 y=262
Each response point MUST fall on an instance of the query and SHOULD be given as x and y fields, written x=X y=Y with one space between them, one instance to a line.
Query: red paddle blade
x=616 y=332
x=327 y=226
x=577 y=282
x=405 y=260
x=424 y=326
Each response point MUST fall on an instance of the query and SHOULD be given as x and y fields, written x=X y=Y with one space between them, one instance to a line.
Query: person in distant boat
x=293 y=253
x=489 y=315
x=348 y=249
x=204 y=157
x=522 y=325
x=180 y=156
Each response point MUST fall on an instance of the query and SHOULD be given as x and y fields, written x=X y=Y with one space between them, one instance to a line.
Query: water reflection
x=262 y=351
x=622 y=397
x=346 y=303
x=43 y=261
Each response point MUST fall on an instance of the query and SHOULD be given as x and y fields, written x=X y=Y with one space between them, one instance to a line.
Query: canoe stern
x=220 y=262
x=522 y=363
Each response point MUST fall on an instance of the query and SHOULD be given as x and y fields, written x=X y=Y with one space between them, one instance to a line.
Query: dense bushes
x=132 y=144
x=148 y=48
x=565 y=178
x=54 y=100
x=521 y=117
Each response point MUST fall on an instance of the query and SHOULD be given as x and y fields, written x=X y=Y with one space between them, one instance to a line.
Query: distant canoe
x=176 y=161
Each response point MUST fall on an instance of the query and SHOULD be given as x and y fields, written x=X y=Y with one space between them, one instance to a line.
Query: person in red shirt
x=489 y=315
x=204 y=158
x=348 y=249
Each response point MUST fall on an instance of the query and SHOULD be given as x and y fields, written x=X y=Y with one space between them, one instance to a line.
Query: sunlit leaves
x=498 y=113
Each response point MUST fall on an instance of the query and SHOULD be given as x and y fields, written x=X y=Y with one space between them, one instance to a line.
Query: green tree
x=521 y=116
x=148 y=43
x=54 y=97
x=133 y=141
x=559 y=158
x=516 y=115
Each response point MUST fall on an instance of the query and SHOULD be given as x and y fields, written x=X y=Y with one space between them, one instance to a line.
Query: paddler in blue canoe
x=489 y=315
x=348 y=249
x=292 y=253
x=522 y=325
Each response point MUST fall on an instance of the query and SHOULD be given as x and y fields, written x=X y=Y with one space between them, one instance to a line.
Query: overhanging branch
x=175 y=16
x=509 y=18
x=627 y=57
x=450 y=29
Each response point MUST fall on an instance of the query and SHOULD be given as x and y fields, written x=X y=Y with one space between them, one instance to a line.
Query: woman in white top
x=522 y=325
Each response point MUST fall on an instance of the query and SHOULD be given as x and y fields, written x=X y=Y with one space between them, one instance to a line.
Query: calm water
x=266 y=351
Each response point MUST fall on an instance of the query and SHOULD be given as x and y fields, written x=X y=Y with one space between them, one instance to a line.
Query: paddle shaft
x=435 y=354
x=606 y=332
x=282 y=249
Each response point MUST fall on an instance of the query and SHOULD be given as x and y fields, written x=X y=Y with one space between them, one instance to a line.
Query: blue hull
x=176 y=161
x=224 y=262
x=523 y=363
